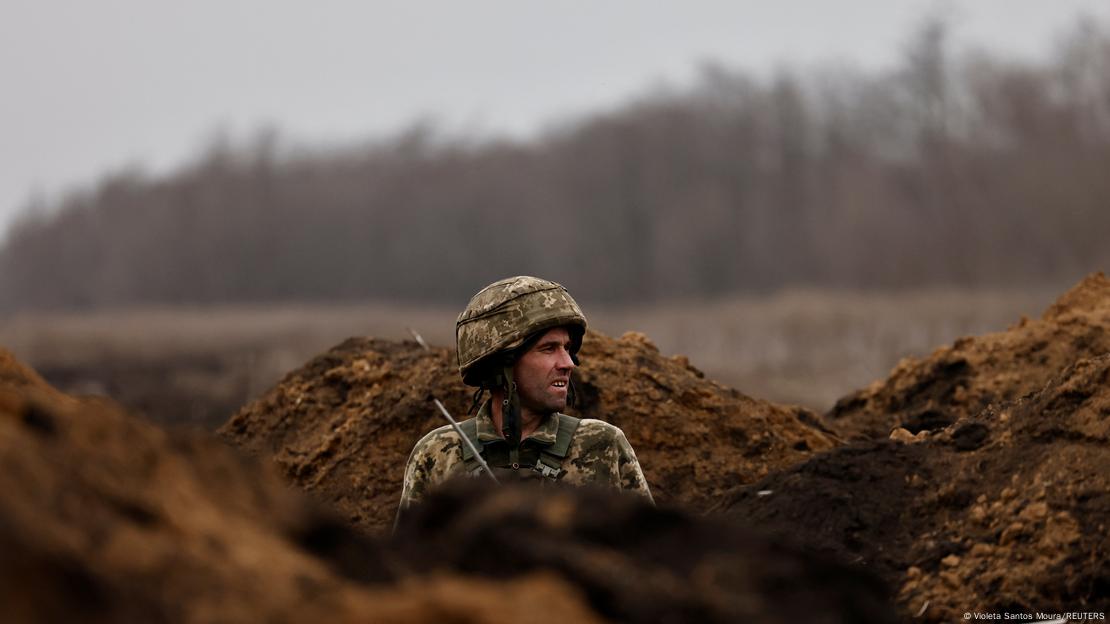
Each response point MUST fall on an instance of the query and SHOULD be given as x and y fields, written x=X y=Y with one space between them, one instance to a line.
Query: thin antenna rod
x=419 y=339
x=466 y=441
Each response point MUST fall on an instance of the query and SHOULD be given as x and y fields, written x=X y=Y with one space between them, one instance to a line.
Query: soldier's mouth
x=559 y=384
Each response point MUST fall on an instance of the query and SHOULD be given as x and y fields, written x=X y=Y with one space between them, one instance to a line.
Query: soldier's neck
x=529 y=420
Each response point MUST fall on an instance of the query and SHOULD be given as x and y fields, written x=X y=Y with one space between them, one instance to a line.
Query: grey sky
x=89 y=87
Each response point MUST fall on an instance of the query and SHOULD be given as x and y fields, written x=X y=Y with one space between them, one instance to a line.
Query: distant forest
x=949 y=169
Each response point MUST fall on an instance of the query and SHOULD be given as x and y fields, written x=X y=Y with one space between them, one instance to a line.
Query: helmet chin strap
x=510 y=407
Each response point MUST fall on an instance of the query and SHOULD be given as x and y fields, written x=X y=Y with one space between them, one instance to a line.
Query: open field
x=198 y=365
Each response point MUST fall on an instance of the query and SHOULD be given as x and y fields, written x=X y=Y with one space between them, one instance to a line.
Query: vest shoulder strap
x=567 y=426
x=470 y=430
x=551 y=458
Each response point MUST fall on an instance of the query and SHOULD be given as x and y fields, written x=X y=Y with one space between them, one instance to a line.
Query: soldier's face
x=542 y=374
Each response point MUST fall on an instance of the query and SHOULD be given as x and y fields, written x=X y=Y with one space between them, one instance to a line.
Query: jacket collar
x=545 y=434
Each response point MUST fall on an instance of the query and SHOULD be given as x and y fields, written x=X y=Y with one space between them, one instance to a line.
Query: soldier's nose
x=565 y=360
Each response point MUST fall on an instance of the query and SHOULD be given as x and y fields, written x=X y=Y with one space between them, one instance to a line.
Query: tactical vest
x=550 y=464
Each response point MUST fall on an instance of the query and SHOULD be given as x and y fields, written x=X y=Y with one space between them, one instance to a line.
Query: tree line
x=964 y=169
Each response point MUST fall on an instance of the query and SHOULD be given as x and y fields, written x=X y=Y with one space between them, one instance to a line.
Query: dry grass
x=812 y=347
x=197 y=365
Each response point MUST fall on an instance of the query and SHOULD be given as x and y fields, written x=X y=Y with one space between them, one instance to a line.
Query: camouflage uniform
x=495 y=324
x=599 y=455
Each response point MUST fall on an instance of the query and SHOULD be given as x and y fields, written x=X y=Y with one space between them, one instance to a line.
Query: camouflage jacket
x=599 y=454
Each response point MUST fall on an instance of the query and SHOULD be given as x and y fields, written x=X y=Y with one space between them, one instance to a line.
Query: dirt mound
x=342 y=426
x=963 y=379
x=16 y=377
x=634 y=562
x=104 y=512
x=106 y=518
x=1003 y=511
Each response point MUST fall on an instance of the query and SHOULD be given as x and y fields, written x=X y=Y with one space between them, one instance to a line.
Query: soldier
x=518 y=339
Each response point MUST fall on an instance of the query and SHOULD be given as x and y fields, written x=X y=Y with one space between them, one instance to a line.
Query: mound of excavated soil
x=342 y=426
x=105 y=518
x=963 y=379
x=634 y=562
x=1003 y=511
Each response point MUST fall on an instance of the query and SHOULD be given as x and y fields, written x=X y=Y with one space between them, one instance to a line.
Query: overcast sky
x=90 y=87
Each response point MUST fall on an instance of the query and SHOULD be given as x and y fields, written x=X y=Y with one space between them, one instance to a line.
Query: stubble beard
x=544 y=402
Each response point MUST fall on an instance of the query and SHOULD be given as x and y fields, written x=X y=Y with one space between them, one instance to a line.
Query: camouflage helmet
x=503 y=315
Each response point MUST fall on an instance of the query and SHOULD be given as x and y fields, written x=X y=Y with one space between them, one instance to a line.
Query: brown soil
x=633 y=561
x=962 y=379
x=106 y=518
x=342 y=426
x=102 y=510
x=1003 y=510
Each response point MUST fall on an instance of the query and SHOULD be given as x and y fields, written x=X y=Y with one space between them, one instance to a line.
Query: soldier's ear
x=576 y=335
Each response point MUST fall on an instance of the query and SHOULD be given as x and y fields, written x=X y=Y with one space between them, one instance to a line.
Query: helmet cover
x=503 y=315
